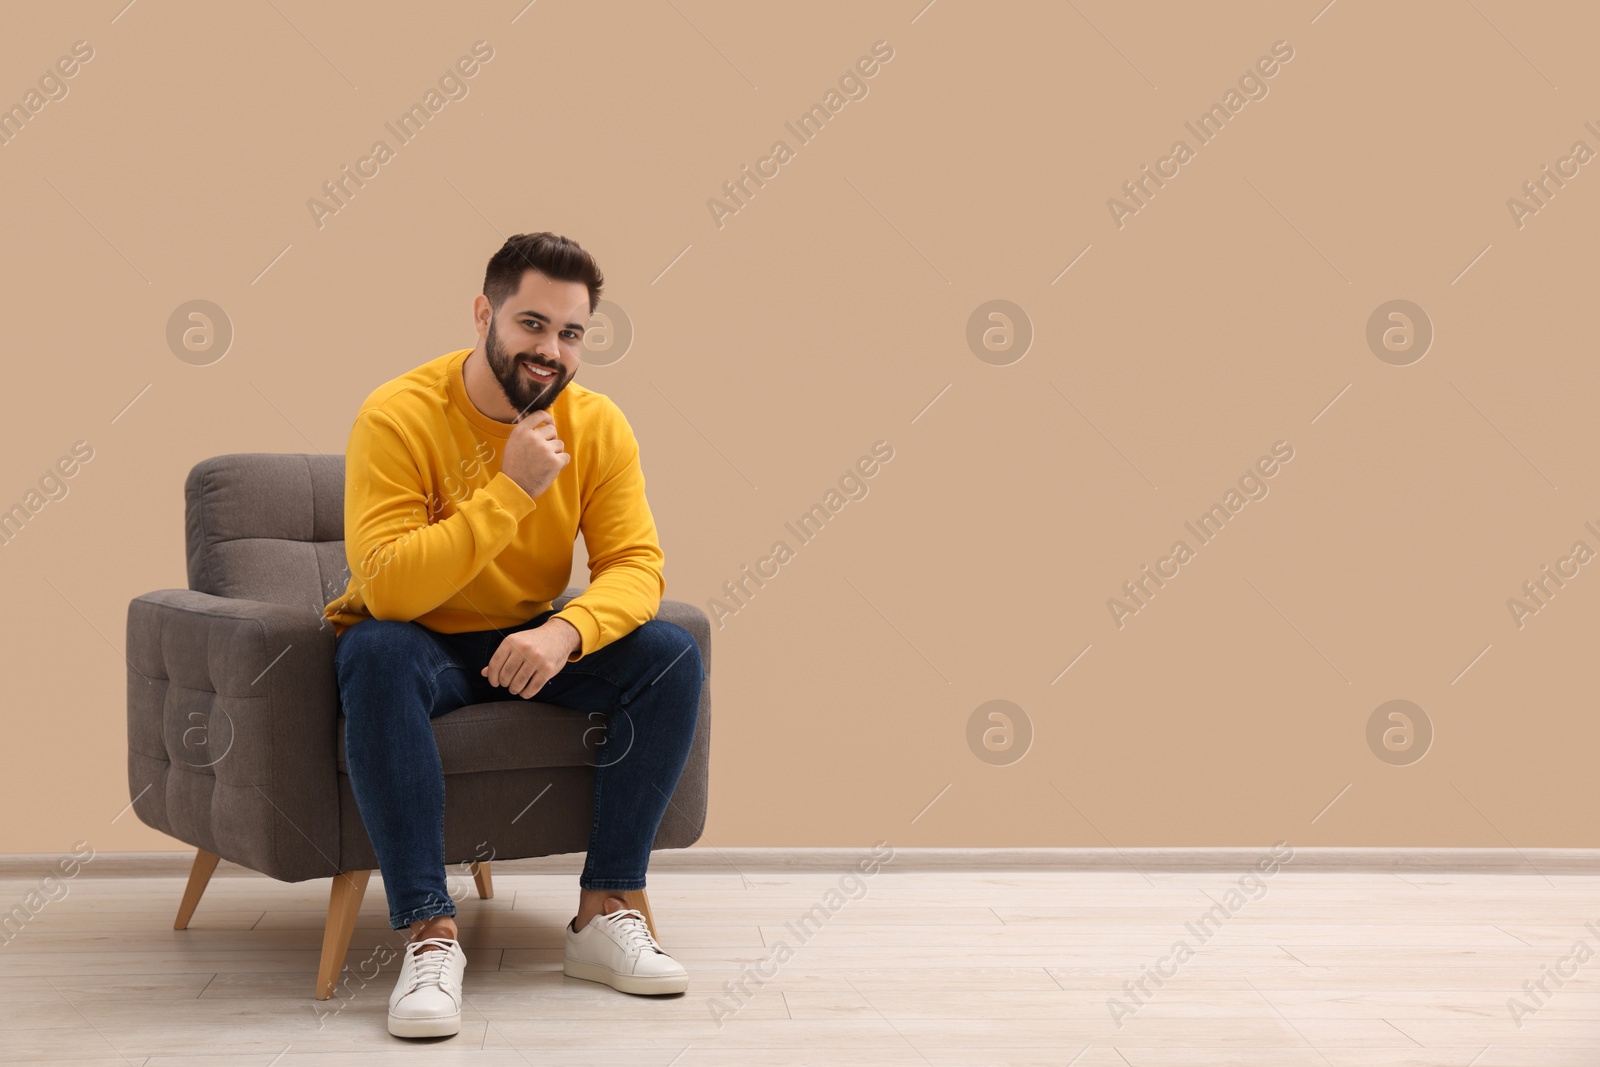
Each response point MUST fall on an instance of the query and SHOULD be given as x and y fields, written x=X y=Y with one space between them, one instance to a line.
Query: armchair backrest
x=268 y=527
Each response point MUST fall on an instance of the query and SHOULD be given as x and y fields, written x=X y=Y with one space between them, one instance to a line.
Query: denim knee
x=377 y=646
x=674 y=648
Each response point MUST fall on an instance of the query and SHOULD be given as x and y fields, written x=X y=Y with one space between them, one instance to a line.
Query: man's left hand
x=527 y=659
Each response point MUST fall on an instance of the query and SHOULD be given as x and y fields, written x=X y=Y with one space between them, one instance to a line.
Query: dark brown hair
x=551 y=254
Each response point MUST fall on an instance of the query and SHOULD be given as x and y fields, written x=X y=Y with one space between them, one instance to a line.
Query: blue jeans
x=394 y=677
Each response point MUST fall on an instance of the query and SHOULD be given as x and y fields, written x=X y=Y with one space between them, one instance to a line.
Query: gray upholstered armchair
x=236 y=738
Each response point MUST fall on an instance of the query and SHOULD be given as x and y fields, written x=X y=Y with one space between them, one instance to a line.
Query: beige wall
x=1227 y=314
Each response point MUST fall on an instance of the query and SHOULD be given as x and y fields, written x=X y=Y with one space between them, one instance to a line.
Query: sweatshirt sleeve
x=403 y=564
x=625 y=557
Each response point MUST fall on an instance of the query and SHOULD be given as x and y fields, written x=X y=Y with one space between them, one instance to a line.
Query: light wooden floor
x=934 y=967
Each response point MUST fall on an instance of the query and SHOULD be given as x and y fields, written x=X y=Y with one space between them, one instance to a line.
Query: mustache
x=540 y=400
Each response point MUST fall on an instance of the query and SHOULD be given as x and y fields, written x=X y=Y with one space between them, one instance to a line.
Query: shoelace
x=632 y=929
x=431 y=967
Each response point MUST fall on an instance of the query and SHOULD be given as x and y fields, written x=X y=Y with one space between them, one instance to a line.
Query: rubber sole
x=444 y=1026
x=625 y=983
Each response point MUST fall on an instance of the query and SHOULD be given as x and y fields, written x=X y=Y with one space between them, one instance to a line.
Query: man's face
x=538 y=329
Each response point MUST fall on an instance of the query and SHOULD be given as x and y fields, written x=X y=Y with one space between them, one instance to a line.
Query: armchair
x=235 y=734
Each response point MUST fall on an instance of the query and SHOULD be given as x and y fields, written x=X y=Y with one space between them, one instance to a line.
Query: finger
x=527 y=681
x=496 y=664
x=518 y=674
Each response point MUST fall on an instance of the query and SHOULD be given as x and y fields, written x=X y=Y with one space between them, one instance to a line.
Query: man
x=461 y=510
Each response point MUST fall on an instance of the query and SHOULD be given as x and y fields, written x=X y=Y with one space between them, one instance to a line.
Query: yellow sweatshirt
x=436 y=534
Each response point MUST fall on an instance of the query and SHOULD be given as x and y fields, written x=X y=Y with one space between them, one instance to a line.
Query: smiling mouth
x=539 y=374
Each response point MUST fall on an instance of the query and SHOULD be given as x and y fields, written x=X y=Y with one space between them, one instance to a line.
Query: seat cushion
x=511 y=735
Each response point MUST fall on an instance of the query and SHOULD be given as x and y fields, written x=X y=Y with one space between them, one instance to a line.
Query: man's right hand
x=534 y=453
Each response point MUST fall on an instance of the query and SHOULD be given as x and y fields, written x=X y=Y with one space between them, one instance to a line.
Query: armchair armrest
x=691 y=618
x=686 y=615
x=685 y=819
x=232 y=711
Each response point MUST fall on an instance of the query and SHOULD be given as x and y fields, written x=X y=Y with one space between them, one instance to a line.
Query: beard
x=523 y=393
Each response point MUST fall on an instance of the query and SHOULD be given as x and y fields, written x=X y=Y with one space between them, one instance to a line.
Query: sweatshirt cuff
x=588 y=629
x=509 y=495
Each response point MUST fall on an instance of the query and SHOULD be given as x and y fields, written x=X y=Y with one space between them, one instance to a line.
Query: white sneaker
x=617 y=949
x=426 y=1001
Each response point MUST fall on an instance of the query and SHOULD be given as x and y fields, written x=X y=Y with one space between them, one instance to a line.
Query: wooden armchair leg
x=636 y=898
x=199 y=877
x=480 y=875
x=344 y=904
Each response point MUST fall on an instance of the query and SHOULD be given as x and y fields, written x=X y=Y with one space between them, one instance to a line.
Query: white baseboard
x=703 y=858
